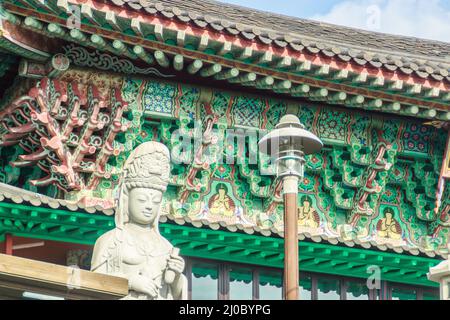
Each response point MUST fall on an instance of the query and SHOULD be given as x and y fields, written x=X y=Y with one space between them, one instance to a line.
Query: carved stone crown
x=148 y=166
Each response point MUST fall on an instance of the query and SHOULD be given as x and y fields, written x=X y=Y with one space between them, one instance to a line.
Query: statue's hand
x=144 y=285
x=176 y=264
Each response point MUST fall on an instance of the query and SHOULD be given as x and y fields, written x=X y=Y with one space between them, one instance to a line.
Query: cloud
x=429 y=19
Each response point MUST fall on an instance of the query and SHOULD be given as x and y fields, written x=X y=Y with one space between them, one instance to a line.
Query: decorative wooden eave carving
x=15 y=39
x=67 y=129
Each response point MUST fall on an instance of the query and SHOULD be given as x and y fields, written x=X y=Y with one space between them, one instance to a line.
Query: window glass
x=357 y=291
x=241 y=287
x=328 y=289
x=431 y=295
x=204 y=281
x=305 y=287
x=403 y=294
x=270 y=285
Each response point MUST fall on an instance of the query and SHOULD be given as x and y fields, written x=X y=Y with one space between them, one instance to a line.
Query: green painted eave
x=83 y=228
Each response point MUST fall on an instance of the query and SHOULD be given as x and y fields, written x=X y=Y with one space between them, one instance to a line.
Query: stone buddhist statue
x=135 y=249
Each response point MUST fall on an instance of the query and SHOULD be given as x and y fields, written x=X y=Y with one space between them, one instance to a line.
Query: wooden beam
x=337 y=97
x=181 y=38
x=203 y=43
x=98 y=41
x=120 y=47
x=244 y=78
x=282 y=86
x=141 y=53
x=266 y=57
x=377 y=82
x=32 y=23
x=432 y=93
x=319 y=94
x=414 y=89
x=63 y=5
x=410 y=110
x=137 y=28
x=161 y=58
x=361 y=78
x=56 y=29
x=301 y=90
x=30 y=225
x=428 y=113
x=265 y=82
x=112 y=20
x=394 y=106
x=245 y=54
x=341 y=75
x=228 y=74
x=322 y=71
x=375 y=104
x=284 y=62
x=23 y=275
x=304 y=66
x=8 y=244
x=78 y=35
x=178 y=62
x=159 y=32
x=19 y=225
x=355 y=100
x=211 y=71
x=86 y=11
x=396 y=85
x=226 y=48
x=444 y=116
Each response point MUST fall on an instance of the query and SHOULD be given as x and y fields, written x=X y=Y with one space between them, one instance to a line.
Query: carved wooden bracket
x=66 y=129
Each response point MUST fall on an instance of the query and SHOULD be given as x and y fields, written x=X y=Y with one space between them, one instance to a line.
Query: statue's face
x=222 y=192
x=144 y=205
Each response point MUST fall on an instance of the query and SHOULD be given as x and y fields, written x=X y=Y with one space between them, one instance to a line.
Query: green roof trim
x=83 y=228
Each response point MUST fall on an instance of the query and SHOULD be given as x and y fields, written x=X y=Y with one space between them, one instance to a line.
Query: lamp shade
x=289 y=134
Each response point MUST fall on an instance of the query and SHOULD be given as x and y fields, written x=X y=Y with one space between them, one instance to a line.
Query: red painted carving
x=66 y=129
x=198 y=163
x=379 y=165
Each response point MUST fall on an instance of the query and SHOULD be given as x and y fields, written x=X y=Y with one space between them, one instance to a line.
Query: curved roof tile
x=431 y=58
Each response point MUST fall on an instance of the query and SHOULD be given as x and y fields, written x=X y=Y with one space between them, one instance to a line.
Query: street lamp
x=288 y=144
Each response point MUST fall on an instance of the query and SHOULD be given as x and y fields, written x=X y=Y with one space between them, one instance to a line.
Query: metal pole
x=290 y=281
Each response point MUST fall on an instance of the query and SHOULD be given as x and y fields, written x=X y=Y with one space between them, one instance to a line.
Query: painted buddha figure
x=307 y=215
x=388 y=227
x=221 y=203
x=135 y=249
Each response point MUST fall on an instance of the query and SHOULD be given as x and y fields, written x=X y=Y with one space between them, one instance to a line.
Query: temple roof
x=283 y=30
x=292 y=57
x=19 y=195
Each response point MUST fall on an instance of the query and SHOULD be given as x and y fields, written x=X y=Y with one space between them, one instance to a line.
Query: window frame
x=223 y=274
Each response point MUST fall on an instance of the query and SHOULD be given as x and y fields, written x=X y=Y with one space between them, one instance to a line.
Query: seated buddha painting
x=388 y=227
x=220 y=206
x=307 y=215
x=221 y=203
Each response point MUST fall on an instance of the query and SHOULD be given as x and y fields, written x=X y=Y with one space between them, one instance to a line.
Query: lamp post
x=288 y=144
